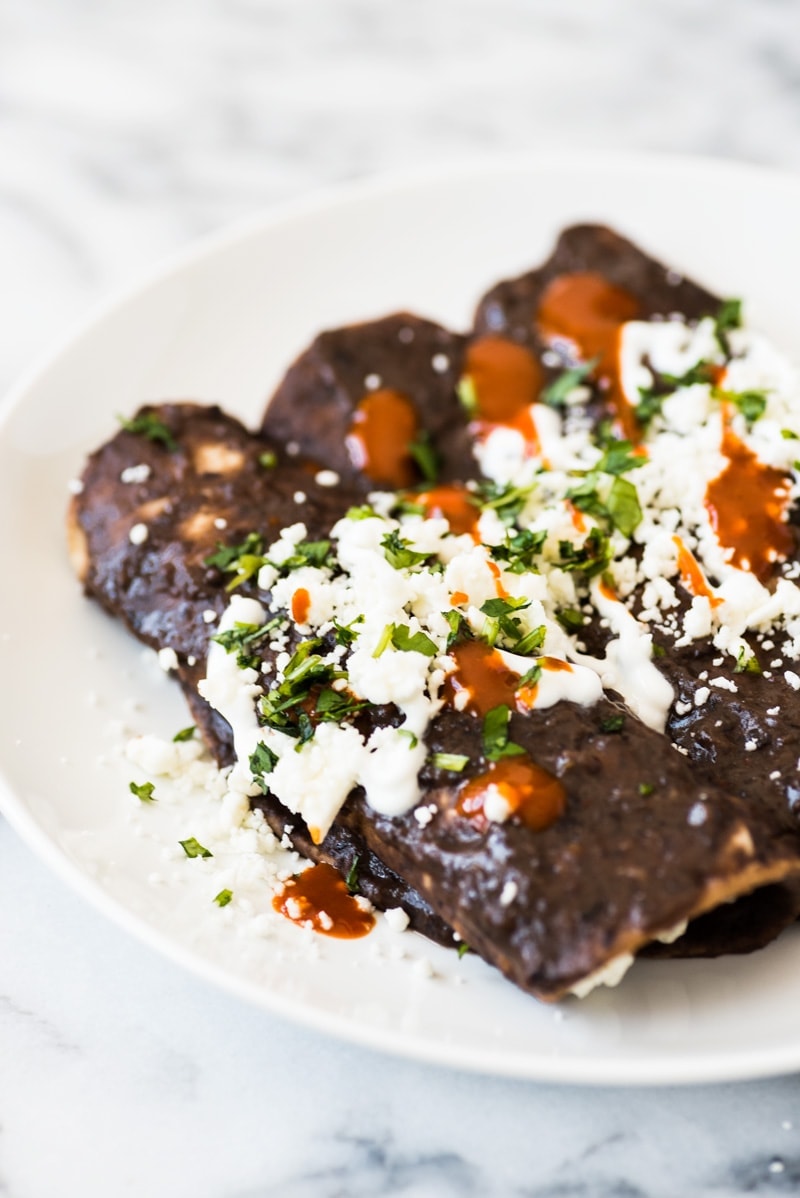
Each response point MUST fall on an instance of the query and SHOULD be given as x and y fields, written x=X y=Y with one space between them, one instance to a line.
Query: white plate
x=222 y=324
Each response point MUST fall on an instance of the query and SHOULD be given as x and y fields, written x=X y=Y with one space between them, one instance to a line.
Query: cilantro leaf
x=143 y=791
x=496 y=744
x=425 y=456
x=351 y=881
x=413 y=642
x=262 y=761
x=623 y=505
x=193 y=848
x=184 y=734
x=449 y=761
x=223 y=898
x=399 y=555
x=149 y=426
x=613 y=723
x=555 y=394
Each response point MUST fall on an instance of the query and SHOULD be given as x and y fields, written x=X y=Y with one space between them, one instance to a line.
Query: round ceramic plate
x=221 y=325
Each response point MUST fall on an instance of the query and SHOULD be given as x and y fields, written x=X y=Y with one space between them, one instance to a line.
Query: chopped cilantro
x=505 y=499
x=449 y=761
x=362 y=512
x=591 y=557
x=747 y=662
x=193 y=848
x=398 y=554
x=646 y=788
x=243 y=560
x=244 y=638
x=519 y=550
x=343 y=633
x=281 y=707
x=149 y=426
x=570 y=619
x=184 y=734
x=496 y=744
x=384 y=641
x=223 y=898
x=789 y=434
x=463 y=949
x=531 y=677
x=413 y=642
x=728 y=317
x=619 y=458
x=458 y=626
x=532 y=641
x=268 y=459
x=467 y=395
x=752 y=404
x=623 y=506
x=308 y=553
x=425 y=456
x=413 y=739
x=143 y=791
x=351 y=881
x=262 y=761
x=556 y=393
x=336 y=706
x=614 y=723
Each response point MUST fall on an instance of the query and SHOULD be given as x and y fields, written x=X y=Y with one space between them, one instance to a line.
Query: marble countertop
x=127 y=129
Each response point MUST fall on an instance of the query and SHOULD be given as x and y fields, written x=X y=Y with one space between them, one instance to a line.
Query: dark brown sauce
x=747 y=506
x=589 y=312
x=692 y=576
x=532 y=793
x=301 y=605
x=453 y=503
x=384 y=425
x=506 y=379
x=319 y=899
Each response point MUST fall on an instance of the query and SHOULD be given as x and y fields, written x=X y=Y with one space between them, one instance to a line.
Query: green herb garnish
x=614 y=723
x=425 y=456
x=496 y=744
x=269 y=460
x=449 y=761
x=184 y=734
x=398 y=553
x=223 y=898
x=262 y=761
x=143 y=791
x=351 y=881
x=555 y=394
x=747 y=662
x=149 y=426
x=467 y=395
x=193 y=848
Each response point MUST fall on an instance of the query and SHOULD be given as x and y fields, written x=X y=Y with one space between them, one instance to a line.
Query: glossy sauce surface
x=747 y=505
x=481 y=673
x=384 y=424
x=319 y=899
x=301 y=605
x=533 y=795
x=506 y=379
x=589 y=312
x=453 y=503
x=692 y=576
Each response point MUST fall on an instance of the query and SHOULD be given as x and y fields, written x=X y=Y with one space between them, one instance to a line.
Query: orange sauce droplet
x=453 y=503
x=319 y=899
x=384 y=424
x=495 y=571
x=588 y=311
x=606 y=590
x=534 y=795
x=301 y=605
x=577 y=517
x=747 y=505
x=458 y=597
x=482 y=673
x=692 y=576
x=506 y=378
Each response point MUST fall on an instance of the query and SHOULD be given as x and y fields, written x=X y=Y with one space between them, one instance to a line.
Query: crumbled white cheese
x=138 y=534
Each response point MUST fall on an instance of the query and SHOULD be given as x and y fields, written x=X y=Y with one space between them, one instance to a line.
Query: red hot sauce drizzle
x=747 y=505
x=506 y=379
x=384 y=425
x=533 y=795
x=301 y=605
x=319 y=899
x=589 y=312
x=692 y=577
x=453 y=503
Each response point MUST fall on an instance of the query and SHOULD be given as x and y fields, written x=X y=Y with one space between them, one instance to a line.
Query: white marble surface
x=126 y=129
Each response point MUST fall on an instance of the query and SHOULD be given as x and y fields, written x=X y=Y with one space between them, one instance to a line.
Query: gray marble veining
x=126 y=129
